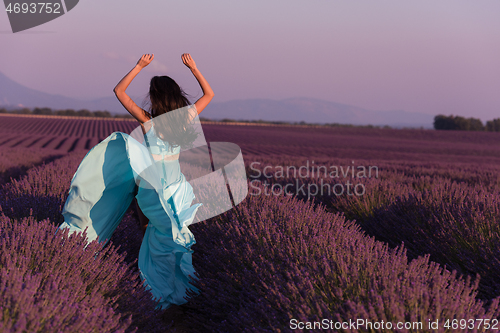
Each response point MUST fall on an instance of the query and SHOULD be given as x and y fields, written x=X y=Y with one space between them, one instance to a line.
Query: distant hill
x=309 y=110
x=313 y=110
x=15 y=95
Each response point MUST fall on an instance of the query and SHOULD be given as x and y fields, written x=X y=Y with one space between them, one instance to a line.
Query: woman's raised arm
x=208 y=93
x=127 y=102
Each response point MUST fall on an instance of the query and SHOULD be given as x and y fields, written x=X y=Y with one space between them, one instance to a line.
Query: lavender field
x=413 y=237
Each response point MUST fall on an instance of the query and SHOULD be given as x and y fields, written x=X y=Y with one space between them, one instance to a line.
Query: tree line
x=442 y=122
x=106 y=114
x=66 y=112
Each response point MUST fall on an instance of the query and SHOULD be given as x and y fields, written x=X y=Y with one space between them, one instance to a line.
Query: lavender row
x=361 y=143
x=14 y=162
x=450 y=212
x=358 y=143
x=50 y=283
x=41 y=193
x=258 y=228
x=458 y=225
x=275 y=259
x=65 y=127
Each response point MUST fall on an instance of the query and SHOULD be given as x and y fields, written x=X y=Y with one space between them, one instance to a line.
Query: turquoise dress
x=102 y=189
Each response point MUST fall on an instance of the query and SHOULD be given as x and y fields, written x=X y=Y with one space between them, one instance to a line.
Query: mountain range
x=310 y=110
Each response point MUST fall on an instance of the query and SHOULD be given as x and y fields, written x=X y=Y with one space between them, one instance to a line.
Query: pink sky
x=422 y=56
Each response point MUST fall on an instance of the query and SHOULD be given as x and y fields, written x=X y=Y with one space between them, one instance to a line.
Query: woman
x=165 y=95
x=121 y=168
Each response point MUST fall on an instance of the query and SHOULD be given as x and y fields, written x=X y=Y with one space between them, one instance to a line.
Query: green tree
x=22 y=111
x=493 y=125
x=84 y=113
x=461 y=123
x=476 y=124
x=442 y=122
x=67 y=112
x=103 y=114
x=46 y=111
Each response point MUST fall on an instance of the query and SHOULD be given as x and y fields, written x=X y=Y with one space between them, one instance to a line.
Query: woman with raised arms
x=120 y=168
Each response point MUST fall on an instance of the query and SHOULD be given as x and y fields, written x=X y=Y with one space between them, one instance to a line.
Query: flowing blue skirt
x=101 y=191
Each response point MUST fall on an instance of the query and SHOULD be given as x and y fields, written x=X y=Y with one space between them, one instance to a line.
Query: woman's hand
x=188 y=61
x=145 y=60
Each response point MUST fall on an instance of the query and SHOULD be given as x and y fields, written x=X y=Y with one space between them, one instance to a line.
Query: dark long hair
x=166 y=95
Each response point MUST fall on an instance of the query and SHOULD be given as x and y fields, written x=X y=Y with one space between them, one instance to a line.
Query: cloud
x=111 y=55
x=154 y=66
